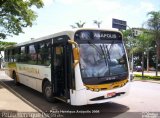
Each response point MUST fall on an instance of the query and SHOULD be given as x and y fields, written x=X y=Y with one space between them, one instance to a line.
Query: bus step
x=62 y=98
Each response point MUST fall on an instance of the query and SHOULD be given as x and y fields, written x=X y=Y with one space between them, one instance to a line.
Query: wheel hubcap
x=48 y=91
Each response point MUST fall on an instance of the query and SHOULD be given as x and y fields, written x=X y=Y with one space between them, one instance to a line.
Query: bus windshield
x=102 y=59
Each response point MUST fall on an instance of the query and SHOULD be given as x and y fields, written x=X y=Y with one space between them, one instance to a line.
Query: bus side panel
x=44 y=73
x=33 y=75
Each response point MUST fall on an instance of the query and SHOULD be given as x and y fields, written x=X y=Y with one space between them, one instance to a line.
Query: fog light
x=96 y=90
x=92 y=89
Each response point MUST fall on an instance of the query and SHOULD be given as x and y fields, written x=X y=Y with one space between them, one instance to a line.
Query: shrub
x=147 y=77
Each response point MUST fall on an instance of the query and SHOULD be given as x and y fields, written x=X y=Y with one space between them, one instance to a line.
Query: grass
x=146 y=77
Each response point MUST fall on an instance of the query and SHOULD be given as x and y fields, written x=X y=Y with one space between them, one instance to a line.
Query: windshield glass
x=101 y=60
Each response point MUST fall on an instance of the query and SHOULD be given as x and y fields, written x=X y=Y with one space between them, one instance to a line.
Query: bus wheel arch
x=47 y=90
x=14 y=76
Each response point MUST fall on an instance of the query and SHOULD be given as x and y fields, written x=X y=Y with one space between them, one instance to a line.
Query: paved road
x=143 y=97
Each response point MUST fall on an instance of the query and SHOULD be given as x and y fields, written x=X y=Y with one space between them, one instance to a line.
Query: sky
x=58 y=15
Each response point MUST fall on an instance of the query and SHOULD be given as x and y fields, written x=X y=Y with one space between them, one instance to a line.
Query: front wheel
x=47 y=92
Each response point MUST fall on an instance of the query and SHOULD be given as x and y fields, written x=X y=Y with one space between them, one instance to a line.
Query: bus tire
x=14 y=76
x=47 y=92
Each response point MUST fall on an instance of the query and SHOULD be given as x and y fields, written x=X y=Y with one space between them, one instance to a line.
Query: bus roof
x=68 y=33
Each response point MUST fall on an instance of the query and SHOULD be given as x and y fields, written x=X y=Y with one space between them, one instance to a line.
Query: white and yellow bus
x=86 y=66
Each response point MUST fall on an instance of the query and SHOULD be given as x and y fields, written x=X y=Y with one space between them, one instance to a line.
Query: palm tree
x=138 y=44
x=154 y=25
x=79 y=24
x=144 y=45
x=98 y=23
x=130 y=44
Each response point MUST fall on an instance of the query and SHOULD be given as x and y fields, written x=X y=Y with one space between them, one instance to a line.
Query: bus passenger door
x=60 y=78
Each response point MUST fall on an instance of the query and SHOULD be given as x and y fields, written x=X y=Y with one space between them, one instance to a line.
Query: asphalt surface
x=142 y=99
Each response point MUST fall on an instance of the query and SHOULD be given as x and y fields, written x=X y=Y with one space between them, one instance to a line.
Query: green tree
x=138 y=44
x=17 y=14
x=154 y=25
x=130 y=43
x=4 y=44
x=79 y=24
x=144 y=45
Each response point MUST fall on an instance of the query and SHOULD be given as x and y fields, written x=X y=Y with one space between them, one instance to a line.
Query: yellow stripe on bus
x=12 y=65
x=107 y=86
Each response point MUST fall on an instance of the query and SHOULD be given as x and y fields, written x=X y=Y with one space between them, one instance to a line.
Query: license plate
x=110 y=95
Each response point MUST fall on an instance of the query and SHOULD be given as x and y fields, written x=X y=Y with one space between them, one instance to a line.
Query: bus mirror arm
x=75 y=52
x=73 y=42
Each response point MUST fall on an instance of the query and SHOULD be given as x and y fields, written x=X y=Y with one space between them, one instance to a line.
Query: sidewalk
x=9 y=102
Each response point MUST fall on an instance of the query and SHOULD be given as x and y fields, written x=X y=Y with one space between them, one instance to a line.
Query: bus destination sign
x=97 y=35
x=105 y=35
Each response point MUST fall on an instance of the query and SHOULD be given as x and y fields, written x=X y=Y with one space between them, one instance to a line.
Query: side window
x=17 y=54
x=11 y=55
x=23 y=55
x=6 y=55
x=44 y=53
x=14 y=53
x=32 y=55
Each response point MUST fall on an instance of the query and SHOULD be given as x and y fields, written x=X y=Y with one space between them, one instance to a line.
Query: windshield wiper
x=111 y=45
x=95 y=47
x=106 y=55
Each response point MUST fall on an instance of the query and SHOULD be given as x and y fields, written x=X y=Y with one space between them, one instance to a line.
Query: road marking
x=23 y=99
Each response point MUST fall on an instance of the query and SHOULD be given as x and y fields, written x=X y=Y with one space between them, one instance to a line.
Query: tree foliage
x=3 y=44
x=154 y=25
x=15 y=15
x=129 y=41
x=79 y=24
x=140 y=43
x=154 y=20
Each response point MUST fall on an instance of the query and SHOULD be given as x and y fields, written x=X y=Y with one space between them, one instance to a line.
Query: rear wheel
x=47 y=92
x=14 y=76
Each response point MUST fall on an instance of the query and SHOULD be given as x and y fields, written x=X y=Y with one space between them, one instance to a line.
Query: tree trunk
x=142 y=64
x=132 y=63
x=157 y=55
x=0 y=59
x=147 y=61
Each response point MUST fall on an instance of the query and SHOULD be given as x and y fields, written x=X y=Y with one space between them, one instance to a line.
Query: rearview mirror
x=75 y=52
